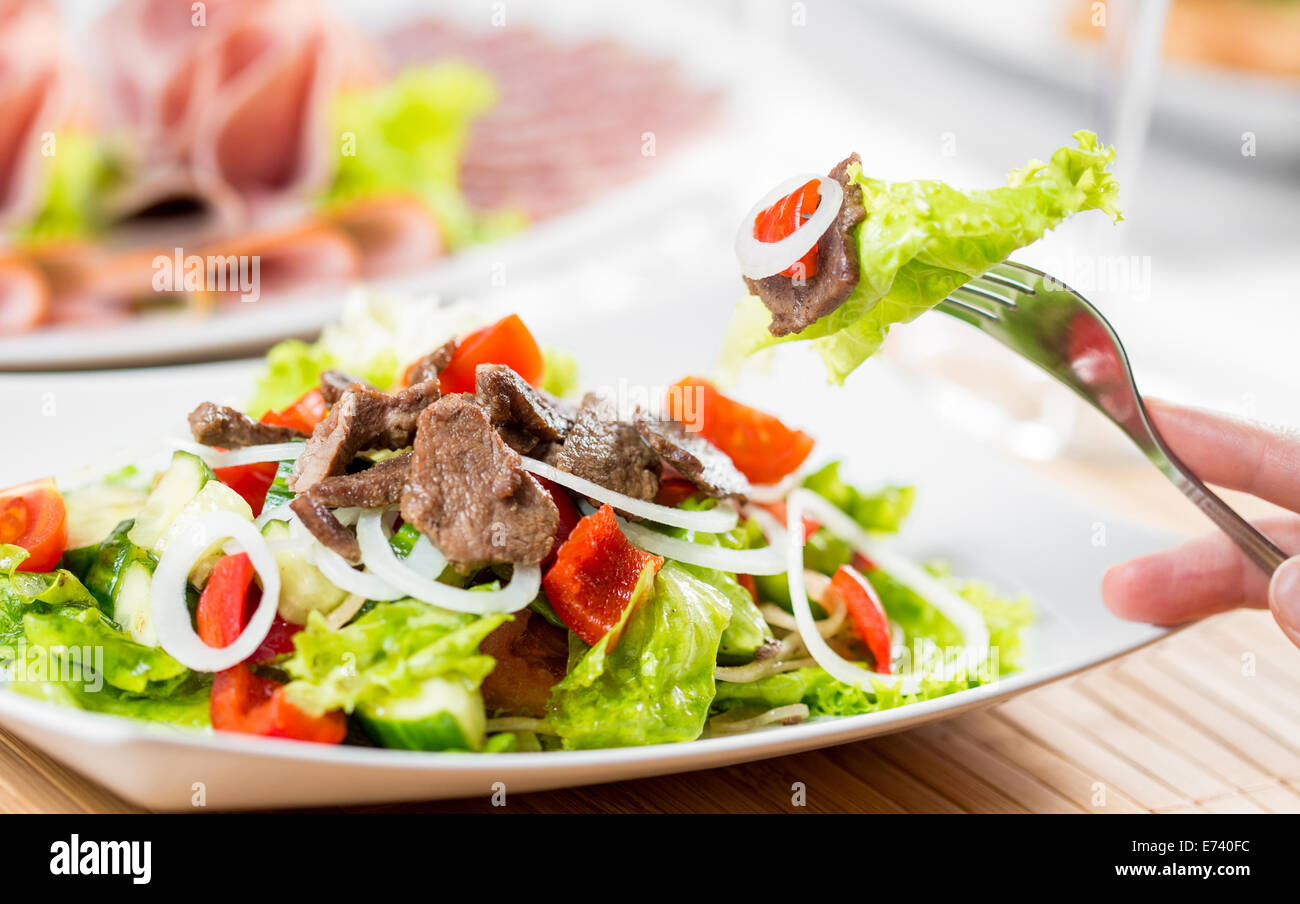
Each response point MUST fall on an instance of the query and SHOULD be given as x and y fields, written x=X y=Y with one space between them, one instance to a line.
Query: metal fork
x=1050 y=324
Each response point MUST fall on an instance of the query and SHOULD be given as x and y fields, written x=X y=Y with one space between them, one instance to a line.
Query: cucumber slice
x=444 y=715
x=303 y=589
x=180 y=483
x=131 y=603
x=279 y=493
x=213 y=496
x=94 y=511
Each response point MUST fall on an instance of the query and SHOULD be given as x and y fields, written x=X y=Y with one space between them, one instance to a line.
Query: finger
x=1234 y=453
x=1284 y=597
x=1199 y=578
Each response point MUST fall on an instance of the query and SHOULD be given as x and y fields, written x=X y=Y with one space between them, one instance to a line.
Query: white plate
x=979 y=511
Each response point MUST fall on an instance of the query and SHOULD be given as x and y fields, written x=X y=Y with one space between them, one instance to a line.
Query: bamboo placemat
x=1205 y=721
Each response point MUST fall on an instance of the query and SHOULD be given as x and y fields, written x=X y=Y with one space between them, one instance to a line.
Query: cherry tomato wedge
x=507 y=342
x=303 y=415
x=249 y=481
x=33 y=516
x=784 y=217
x=866 y=613
x=597 y=576
x=760 y=446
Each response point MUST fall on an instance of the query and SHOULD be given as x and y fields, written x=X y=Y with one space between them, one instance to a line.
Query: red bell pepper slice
x=866 y=613
x=242 y=701
x=597 y=576
x=507 y=342
x=784 y=217
x=673 y=491
x=569 y=517
x=303 y=415
x=249 y=481
x=761 y=447
x=34 y=517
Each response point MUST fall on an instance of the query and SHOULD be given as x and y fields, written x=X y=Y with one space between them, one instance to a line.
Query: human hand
x=1212 y=574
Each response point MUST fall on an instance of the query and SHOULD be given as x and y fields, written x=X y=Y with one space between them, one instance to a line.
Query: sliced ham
x=242 y=101
x=391 y=234
x=24 y=296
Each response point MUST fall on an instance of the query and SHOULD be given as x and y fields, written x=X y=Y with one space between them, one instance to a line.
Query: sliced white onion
x=713 y=521
x=281 y=512
x=167 y=602
x=248 y=455
x=762 y=259
x=380 y=558
x=765 y=560
x=963 y=616
x=723 y=725
x=774 y=492
x=342 y=575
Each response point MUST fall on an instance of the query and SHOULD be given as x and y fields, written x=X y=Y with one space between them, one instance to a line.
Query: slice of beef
x=531 y=657
x=333 y=383
x=378 y=485
x=326 y=528
x=361 y=419
x=794 y=306
x=467 y=492
x=219 y=425
x=608 y=452
x=694 y=457
x=525 y=417
x=432 y=364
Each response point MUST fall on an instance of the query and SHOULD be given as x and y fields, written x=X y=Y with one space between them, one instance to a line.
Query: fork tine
x=974 y=291
x=965 y=311
x=1006 y=281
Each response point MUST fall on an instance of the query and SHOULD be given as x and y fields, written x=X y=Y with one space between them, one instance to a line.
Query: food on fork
x=838 y=260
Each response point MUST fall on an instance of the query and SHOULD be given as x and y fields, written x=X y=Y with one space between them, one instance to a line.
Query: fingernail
x=1284 y=594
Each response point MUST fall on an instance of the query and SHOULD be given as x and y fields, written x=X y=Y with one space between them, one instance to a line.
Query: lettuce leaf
x=921 y=240
x=559 y=373
x=77 y=177
x=1006 y=618
x=410 y=134
x=656 y=685
x=883 y=510
x=386 y=654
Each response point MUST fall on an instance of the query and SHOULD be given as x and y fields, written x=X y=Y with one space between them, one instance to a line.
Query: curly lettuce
x=409 y=135
x=921 y=240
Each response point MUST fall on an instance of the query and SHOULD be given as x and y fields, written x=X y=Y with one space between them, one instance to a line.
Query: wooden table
x=1207 y=720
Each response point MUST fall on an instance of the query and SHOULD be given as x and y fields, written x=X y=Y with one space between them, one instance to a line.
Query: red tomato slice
x=249 y=481
x=761 y=447
x=866 y=613
x=597 y=576
x=303 y=415
x=33 y=516
x=507 y=342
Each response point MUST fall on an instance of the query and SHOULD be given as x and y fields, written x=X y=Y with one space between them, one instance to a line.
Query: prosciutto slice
x=238 y=103
x=39 y=92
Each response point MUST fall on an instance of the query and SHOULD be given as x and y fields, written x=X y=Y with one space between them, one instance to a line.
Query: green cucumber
x=444 y=715
x=131 y=607
x=303 y=589
x=180 y=483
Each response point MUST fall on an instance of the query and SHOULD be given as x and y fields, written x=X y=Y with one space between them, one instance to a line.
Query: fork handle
x=1259 y=548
